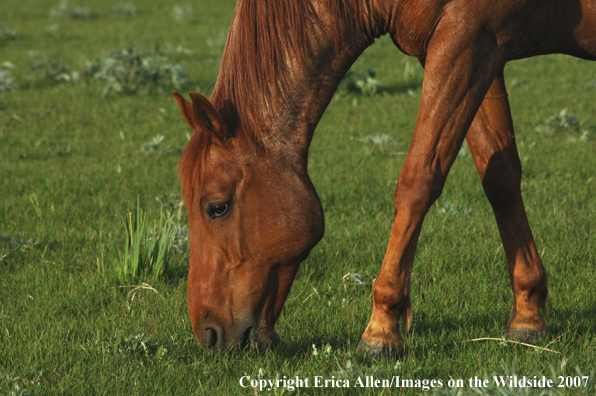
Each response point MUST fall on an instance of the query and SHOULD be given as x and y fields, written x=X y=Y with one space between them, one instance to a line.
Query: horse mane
x=264 y=34
x=255 y=69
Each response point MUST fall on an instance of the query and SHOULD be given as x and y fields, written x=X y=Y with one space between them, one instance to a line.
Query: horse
x=253 y=212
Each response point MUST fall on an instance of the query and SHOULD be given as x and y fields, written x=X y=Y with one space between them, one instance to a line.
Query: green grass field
x=73 y=162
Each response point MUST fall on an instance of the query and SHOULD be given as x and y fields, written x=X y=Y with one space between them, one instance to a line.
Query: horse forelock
x=196 y=155
x=193 y=160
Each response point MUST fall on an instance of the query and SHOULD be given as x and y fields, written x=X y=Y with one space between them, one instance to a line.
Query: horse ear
x=201 y=114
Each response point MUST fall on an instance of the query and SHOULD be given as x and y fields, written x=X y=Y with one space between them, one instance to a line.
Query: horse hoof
x=529 y=336
x=378 y=351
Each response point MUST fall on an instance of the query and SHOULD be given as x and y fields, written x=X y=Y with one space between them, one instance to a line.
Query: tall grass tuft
x=146 y=251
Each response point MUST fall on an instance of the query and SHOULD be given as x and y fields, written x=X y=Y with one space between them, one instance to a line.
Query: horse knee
x=417 y=190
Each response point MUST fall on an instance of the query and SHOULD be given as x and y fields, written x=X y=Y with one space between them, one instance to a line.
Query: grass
x=73 y=162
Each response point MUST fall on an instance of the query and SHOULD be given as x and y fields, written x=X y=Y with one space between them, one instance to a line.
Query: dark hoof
x=529 y=336
x=378 y=351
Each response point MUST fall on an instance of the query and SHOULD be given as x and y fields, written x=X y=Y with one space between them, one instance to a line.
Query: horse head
x=253 y=218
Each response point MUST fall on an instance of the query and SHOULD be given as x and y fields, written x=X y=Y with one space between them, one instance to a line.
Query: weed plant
x=155 y=146
x=139 y=345
x=451 y=209
x=181 y=12
x=7 y=34
x=18 y=240
x=362 y=82
x=130 y=71
x=384 y=143
x=46 y=68
x=65 y=11
x=123 y=10
x=7 y=80
x=560 y=122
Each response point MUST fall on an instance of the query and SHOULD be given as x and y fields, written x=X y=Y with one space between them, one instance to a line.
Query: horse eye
x=217 y=210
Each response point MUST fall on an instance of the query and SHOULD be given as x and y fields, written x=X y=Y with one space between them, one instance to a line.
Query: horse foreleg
x=459 y=68
x=492 y=144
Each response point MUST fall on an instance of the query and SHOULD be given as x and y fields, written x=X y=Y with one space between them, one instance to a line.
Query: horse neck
x=312 y=90
x=276 y=88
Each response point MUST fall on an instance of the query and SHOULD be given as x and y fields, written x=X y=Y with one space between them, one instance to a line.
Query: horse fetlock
x=530 y=319
x=381 y=337
x=530 y=300
x=390 y=304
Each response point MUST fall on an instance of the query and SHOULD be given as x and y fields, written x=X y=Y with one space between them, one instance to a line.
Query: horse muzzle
x=213 y=337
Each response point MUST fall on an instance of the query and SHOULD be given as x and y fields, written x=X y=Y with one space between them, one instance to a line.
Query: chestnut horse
x=253 y=212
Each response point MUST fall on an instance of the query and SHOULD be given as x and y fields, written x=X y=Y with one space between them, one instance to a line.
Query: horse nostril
x=212 y=337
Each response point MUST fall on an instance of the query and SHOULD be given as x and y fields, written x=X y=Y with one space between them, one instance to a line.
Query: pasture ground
x=71 y=166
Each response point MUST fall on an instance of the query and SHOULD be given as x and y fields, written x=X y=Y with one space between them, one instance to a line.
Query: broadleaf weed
x=65 y=11
x=7 y=34
x=181 y=13
x=7 y=81
x=48 y=69
x=561 y=122
x=130 y=71
x=123 y=10
x=362 y=82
